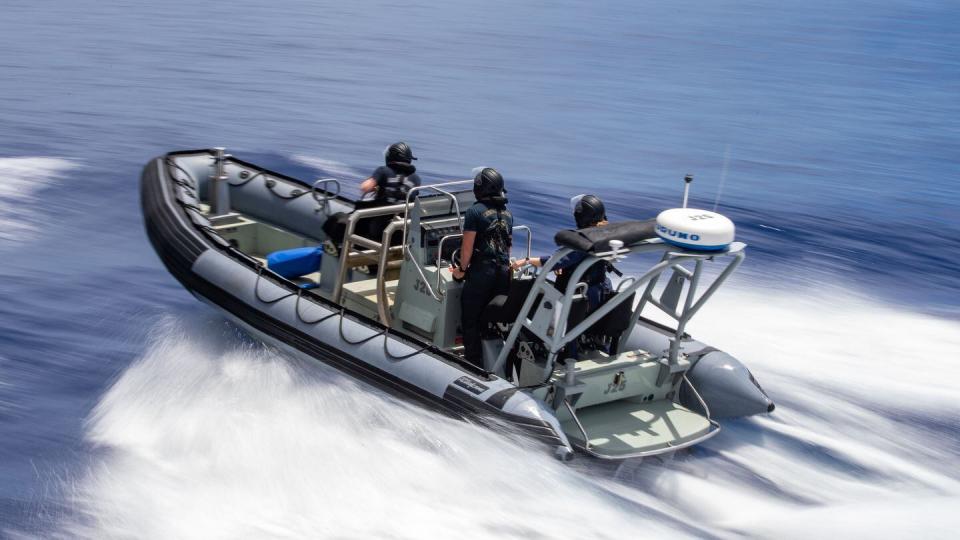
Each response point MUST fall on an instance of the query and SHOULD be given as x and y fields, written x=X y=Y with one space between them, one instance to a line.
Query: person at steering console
x=588 y=211
x=485 y=257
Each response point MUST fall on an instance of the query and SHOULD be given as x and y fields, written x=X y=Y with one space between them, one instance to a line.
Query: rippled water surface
x=829 y=131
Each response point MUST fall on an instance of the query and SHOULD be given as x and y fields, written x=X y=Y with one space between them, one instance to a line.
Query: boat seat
x=579 y=310
x=613 y=324
x=504 y=308
x=362 y=295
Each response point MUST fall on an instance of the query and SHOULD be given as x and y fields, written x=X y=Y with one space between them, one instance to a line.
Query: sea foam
x=21 y=181
x=210 y=435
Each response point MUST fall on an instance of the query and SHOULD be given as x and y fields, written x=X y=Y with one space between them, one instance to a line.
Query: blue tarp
x=292 y=263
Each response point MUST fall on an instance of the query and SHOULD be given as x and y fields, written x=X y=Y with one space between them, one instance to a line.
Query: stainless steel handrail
x=383 y=304
x=529 y=236
x=440 y=246
x=327 y=194
x=447 y=194
x=440 y=257
x=586 y=438
x=349 y=238
x=407 y=251
x=460 y=235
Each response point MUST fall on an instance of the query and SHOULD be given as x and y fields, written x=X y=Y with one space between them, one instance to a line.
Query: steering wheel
x=527 y=270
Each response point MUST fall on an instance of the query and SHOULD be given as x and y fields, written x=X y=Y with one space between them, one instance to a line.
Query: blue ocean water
x=829 y=132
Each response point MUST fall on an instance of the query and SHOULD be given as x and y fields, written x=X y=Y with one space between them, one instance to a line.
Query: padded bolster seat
x=597 y=239
x=613 y=324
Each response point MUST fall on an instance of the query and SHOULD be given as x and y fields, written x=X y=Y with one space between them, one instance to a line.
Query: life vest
x=394 y=189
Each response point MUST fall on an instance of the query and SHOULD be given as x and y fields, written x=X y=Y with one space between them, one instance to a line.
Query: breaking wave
x=21 y=178
x=210 y=435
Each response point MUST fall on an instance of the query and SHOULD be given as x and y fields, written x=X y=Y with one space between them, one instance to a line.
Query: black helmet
x=488 y=183
x=589 y=211
x=399 y=152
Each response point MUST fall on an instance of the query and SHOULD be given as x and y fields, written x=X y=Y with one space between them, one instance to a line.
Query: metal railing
x=379 y=252
x=460 y=235
x=376 y=251
x=558 y=336
x=529 y=236
x=383 y=304
x=327 y=194
x=349 y=259
x=435 y=293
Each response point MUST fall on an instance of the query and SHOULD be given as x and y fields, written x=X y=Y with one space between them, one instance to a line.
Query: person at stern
x=588 y=211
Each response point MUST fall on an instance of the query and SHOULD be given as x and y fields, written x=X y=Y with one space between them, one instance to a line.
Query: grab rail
x=383 y=304
x=440 y=250
x=560 y=335
x=460 y=235
x=529 y=236
x=349 y=238
x=327 y=194
x=406 y=215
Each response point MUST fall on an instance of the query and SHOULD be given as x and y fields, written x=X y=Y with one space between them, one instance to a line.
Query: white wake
x=348 y=176
x=21 y=179
x=212 y=437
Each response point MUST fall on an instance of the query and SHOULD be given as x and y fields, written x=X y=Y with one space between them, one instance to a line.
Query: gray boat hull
x=724 y=383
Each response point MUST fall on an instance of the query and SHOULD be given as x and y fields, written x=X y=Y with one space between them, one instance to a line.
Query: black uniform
x=394 y=182
x=489 y=272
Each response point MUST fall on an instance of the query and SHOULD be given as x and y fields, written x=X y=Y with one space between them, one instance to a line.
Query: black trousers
x=484 y=280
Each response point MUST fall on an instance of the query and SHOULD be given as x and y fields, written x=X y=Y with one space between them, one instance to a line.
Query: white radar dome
x=690 y=228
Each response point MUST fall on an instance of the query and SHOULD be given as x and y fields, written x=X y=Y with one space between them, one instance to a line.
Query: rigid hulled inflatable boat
x=252 y=243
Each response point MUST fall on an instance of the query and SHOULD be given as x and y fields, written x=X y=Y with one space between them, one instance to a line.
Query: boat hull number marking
x=471 y=385
x=420 y=287
x=619 y=383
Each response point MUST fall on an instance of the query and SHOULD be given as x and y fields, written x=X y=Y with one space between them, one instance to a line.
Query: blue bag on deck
x=293 y=263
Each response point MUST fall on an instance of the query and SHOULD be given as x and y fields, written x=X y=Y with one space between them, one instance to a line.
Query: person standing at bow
x=485 y=257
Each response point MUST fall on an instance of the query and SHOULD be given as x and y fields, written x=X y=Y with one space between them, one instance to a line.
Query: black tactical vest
x=493 y=243
x=394 y=189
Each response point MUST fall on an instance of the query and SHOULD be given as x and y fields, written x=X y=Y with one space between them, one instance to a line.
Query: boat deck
x=627 y=428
